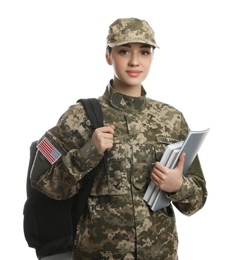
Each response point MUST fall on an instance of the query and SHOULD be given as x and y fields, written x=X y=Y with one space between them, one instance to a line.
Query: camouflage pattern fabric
x=118 y=224
x=129 y=30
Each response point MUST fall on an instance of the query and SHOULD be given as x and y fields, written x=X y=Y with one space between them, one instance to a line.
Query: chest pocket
x=161 y=143
x=152 y=152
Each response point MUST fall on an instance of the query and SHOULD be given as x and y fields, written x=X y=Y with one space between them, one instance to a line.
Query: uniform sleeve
x=72 y=138
x=193 y=193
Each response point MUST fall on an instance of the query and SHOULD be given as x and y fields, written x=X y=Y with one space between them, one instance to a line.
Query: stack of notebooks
x=157 y=198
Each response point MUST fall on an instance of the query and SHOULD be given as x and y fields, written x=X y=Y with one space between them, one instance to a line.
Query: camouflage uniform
x=118 y=223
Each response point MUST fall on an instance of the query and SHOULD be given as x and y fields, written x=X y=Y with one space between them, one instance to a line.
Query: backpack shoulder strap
x=93 y=110
x=33 y=150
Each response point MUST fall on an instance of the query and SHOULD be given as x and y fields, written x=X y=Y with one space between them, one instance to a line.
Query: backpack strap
x=93 y=111
x=33 y=150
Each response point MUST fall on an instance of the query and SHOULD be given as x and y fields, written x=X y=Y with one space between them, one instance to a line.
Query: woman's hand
x=169 y=180
x=103 y=138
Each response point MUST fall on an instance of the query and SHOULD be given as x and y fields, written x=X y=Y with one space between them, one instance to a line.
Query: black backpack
x=50 y=225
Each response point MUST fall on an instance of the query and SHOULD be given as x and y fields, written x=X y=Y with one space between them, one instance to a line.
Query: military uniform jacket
x=118 y=223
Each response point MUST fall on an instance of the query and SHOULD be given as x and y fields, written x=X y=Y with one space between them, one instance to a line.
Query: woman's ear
x=108 y=58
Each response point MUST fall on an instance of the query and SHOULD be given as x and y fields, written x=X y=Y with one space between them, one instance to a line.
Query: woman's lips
x=133 y=73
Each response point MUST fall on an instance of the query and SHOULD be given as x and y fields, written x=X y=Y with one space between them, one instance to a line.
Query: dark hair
x=108 y=48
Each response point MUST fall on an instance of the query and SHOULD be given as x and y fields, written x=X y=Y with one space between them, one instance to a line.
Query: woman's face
x=131 y=64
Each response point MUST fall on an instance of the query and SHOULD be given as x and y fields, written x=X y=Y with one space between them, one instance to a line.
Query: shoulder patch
x=48 y=150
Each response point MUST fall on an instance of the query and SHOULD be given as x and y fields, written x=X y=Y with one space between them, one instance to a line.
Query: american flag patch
x=48 y=150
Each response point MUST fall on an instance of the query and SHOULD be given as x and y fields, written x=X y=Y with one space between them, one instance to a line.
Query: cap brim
x=116 y=44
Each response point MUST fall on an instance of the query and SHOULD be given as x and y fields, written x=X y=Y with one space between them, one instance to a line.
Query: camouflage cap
x=126 y=30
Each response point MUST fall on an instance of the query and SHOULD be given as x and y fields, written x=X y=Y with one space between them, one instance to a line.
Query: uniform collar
x=124 y=102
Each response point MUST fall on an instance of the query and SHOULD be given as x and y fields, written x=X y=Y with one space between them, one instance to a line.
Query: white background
x=53 y=52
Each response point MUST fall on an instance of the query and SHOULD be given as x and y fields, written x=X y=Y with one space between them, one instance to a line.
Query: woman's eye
x=145 y=52
x=123 y=52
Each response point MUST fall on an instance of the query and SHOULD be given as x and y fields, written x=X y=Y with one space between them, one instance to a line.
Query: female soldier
x=118 y=223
